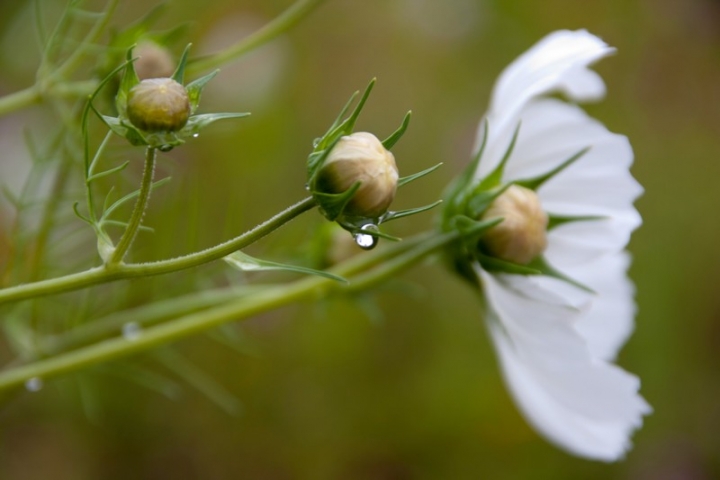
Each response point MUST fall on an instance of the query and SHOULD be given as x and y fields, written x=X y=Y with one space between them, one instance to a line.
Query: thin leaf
x=333 y=204
x=119 y=168
x=130 y=196
x=246 y=263
x=356 y=113
x=80 y=215
x=116 y=223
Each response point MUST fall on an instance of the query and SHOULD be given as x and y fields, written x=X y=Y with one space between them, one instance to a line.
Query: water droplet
x=131 y=331
x=307 y=186
x=196 y=135
x=365 y=241
x=34 y=384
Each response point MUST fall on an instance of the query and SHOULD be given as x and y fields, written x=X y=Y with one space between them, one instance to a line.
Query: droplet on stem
x=364 y=240
x=34 y=384
x=131 y=331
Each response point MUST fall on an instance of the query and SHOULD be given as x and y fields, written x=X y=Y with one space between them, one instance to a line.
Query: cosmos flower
x=553 y=272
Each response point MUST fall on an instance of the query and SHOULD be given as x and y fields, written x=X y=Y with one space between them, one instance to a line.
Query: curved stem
x=247 y=306
x=138 y=211
x=277 y=26
x=102 y=274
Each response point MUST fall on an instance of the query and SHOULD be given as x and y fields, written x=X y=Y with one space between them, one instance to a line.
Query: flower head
x=353 y=176
x=361 y=157
x=553 y=271
x=159 y=112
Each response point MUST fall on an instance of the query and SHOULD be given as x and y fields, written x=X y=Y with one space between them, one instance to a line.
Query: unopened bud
x=158 y=105
x=361 y=157
x=521 y=236
x=154 y=61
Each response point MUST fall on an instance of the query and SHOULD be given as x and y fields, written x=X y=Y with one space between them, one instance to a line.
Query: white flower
x=556 y=341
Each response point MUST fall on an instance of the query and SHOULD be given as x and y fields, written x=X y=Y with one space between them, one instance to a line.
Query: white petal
x=608 y=321
x=582 y=404
x=557 y=63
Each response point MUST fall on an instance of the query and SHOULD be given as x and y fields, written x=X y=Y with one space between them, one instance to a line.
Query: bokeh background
x=401 y=384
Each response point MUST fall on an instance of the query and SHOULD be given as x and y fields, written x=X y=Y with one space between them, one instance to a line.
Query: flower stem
x=277 y=26
x=103 y=274
x=261 y=301
x=138 y=211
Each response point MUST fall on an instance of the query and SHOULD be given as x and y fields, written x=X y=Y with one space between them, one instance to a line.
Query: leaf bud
x=158 y=105
x=360 y=157
x=521 y=236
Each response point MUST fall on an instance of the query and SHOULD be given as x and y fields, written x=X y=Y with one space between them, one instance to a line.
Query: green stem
x=19 y=100
x=103 y=274
x=273 y=297
x=139 y=210
x=277 y=26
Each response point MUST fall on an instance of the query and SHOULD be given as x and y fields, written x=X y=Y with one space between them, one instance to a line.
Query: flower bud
x=154 y=61
x=361 y=157
x=521 y=236
x=158 y=104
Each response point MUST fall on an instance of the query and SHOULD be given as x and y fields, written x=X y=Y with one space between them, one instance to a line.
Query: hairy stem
x=103 y=274
x=138 y=211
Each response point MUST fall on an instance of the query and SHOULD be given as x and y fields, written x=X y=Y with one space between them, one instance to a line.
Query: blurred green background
x=402 y=384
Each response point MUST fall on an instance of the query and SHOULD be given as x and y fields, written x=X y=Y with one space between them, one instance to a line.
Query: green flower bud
x=154 y=61
x=158 y=105
x=521 y=236
x=360 y=157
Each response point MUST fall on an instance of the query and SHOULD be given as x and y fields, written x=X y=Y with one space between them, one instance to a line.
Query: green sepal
x=246 y=263
x=555 y=221
x=541 y=264
x=482 y=199
x=496 y=265
x=125 y=130
x=456 y=195
x=404 y=213
x=472 y=230
x=194 y=89
x=179 y=75
x=198 y=122
x=346 y=126
x=316 y=160
x=537 y=182
x=495 y=177
x=390 y=142
x=411 y=178
x=333 y=204
x=129 y=80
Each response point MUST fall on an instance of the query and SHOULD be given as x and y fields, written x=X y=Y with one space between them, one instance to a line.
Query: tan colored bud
x=158 y=105
x=521 y=236
x=361 y=157
x=154 y=61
